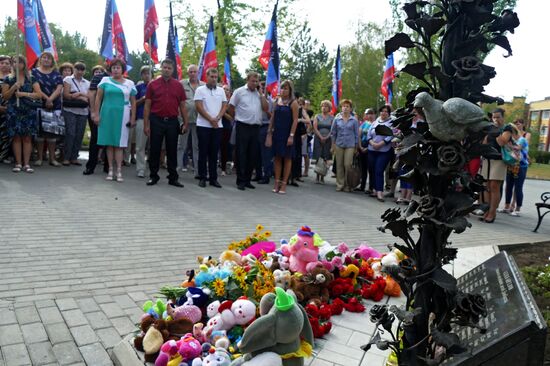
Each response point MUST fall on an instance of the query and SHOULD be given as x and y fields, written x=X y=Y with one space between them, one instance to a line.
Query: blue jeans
x=378 y=161
x=515 y=184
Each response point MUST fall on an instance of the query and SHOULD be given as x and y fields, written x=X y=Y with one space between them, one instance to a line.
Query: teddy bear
x=302 y=249
x=313 y=287
x=184 y=350
x=282 y=335
x=216 y=357
x=190 y=312
x=244 y=311
x=155 y=332
x=283 y=278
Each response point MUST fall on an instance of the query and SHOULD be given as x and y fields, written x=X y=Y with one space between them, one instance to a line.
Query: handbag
x=75 y=103
x=321 y=167
x=509 y=155
x=51 y=121
x=353 y=175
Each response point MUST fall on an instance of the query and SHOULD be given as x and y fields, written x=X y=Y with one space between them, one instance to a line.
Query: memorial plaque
x=516 y=330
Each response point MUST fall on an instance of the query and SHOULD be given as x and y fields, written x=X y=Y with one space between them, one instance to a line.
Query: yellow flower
x=239 y=274
x=219 y=287
x=259 y=227
x=267 y=234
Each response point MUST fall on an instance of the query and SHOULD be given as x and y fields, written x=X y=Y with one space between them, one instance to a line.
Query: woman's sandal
x=109 y=175
x=119 y=177
x=28 y=169
x=16 y=168
x=282 y=188
x=276 y=187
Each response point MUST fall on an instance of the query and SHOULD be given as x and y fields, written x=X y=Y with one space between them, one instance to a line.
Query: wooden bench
x=544 y=205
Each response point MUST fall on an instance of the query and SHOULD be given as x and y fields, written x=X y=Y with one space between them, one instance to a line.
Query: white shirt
x=81 y=86
x=248 y=106
x=212 y=101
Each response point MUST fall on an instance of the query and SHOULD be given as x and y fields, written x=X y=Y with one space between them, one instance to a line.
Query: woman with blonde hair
x=322 y=143
x=20 y=89
x=280 y=134
x=51 y=86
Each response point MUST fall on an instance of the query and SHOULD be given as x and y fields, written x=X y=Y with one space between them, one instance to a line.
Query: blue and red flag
x=336 y=83
x=227 y=70
x=266 y=49
x=45 y=36
x=387 y=80
x=27 y=25
x=172 y=47
x=150 y=24
x=208 y=58
x=113 y=36
x=273 y=75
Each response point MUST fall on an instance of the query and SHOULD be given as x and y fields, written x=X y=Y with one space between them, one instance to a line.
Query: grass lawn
x=539 y=171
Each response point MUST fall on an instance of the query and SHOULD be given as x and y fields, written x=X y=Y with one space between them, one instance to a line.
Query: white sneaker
x=140 y=174
x=478 y=212
x=184 y=170
x=515 y=213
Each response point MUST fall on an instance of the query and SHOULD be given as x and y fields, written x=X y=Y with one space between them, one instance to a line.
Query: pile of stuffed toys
x=260 y=303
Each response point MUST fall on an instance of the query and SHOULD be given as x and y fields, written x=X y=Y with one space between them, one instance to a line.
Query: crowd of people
x=162 y=122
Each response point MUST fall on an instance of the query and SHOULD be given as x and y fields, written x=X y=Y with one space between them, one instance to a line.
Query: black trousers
x=209 y=147
x=164 y=129
x=246 y=143
x=296 y=171
x=363 y=157
x=94 y=149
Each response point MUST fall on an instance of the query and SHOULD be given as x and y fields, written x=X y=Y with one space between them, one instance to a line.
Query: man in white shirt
x=210 y=102
x=246 y=106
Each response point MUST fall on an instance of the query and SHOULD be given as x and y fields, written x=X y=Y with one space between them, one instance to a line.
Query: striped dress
x=115 y=112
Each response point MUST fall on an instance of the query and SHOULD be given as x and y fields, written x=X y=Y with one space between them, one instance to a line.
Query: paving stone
x=16 y=355
x=10 y=334
x=27 y=314
x=66 y=304
x=7 y=316
x=98 y=320
x=134 y=314
x=83 y=335
x=102 y=299
x=124 y=301
x=319 y=362
x=138 y=296
x=58 y=333
x=44 y=303
x=41 y=353
x=67 y=353
x=95 y=354
x=87 y=305
x=74 y=318
x=50 y=315
x=112 y=310
x=34 y=333
x=123 y=325
x=109 y=337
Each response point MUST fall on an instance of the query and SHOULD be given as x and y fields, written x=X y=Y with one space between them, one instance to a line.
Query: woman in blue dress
x=20 y=89
x=280 y=135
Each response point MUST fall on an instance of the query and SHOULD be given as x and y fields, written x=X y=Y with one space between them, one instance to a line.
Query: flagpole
x=17 y=77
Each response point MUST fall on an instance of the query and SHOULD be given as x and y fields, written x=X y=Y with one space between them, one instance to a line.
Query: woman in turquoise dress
x=20 y=90
x=115 y=105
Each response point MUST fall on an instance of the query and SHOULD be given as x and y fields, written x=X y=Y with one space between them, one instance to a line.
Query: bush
x=541 y=157
x=538 y=281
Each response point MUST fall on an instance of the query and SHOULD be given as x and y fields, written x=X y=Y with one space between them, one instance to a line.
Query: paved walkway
x=79 y=255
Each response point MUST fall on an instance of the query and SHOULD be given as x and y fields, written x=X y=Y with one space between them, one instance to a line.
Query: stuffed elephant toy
x=281 y=336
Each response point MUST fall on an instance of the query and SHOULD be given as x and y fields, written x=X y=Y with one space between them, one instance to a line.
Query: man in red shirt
x=164 y=102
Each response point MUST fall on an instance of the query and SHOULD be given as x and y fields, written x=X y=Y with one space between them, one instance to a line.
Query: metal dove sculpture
x=453 y=119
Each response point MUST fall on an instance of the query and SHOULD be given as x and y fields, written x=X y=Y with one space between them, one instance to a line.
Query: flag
x=208 y=57
x=273 y=76
x=27 y=25
x=45 y=36
x=336 y=83
x=150 y=24
x=266 y=50
x=227 y=70
x=113 y=36
x=387 y=79
x=172 y=48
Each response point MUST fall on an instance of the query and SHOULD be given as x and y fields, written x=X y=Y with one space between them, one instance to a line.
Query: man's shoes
x=197 y=177
x=202 y=183
x=88 y=172
x=215 y=184
x=152 y=181
x=256 y=179
x=240 y=187
x=248 y=185
x=263 y=181
x=175 y=183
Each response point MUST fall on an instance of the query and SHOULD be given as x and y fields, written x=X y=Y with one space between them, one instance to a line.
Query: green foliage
x=362 y=67
x=538 y=281
x=321 y=86
x=541 y=157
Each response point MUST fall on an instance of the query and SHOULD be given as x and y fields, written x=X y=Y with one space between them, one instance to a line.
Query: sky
x=524 y=74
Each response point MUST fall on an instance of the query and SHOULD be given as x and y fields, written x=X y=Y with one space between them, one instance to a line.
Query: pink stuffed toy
x=190 y=312
x=185 y=350
x=365 y=252
x=302 y=249
x=257 y=249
